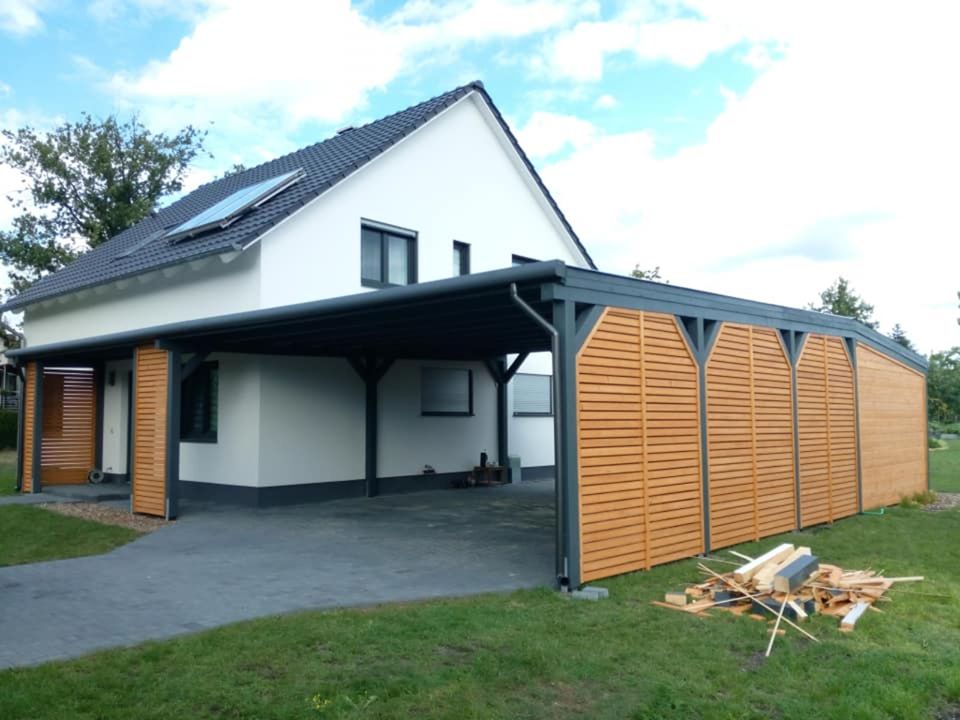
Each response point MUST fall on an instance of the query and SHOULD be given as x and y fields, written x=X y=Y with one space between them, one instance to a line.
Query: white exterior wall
x=235 y=458
x=312 y=421
x=116 y=412
x=409 y=440
x=213 y=288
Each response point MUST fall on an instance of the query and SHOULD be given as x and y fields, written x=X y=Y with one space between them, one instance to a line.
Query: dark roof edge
x=551 y=270
x=684 y=300
x=478 y=86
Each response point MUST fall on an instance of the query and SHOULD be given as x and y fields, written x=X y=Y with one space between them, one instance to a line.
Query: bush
x=8 y=429
x=934 y=444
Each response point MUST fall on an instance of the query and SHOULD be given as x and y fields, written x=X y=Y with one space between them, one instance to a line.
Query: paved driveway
x=218 y=565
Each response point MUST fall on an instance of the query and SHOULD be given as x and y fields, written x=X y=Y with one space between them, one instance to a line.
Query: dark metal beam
x=514 y=366
x=503 y=434
x=174 y=389
x=566 y=416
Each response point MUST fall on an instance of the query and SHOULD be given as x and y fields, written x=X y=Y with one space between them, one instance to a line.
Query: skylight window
x=233 y=206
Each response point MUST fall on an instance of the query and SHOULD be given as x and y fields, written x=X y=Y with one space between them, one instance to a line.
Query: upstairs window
x=446 y=391
x=387 y=257
x=532 y=394
x=461 y=258
x=199 y=404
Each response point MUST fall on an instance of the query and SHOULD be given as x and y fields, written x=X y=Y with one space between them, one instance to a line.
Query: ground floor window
x=532 y=394
x=199 y=404
x=446 y=391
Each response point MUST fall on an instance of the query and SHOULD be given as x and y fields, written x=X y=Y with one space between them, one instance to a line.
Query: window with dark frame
x=461 y=258
x=387 y=257
x=199 y=404
x=532 y=395
x=521 y=260
x=446 y=391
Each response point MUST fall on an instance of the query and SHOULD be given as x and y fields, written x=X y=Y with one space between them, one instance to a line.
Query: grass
x=32 y=534
x=945 y=467
x=535 y=654
x=8 y=472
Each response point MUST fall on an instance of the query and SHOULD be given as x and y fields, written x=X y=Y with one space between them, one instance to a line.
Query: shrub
x=934 y=444
x=8 y=429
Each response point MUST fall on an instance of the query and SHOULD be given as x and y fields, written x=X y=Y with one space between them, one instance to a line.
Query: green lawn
x=31 y=534
x=8 y=472
x=945 y=468
x=537 y=654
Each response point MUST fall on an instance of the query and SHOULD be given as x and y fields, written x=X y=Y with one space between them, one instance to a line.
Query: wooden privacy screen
x=68 y=450
x=150 y=431
x=749 y=436
x=29 y=415
x=827 y=431
x=639 y=445
x=893 y=428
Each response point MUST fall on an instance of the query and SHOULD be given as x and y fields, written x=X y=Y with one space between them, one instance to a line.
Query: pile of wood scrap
x=786 y=585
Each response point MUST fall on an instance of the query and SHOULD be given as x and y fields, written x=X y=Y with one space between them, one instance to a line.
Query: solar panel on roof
x=229 y=209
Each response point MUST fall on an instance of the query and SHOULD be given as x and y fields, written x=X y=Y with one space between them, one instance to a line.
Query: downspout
x=562 y=569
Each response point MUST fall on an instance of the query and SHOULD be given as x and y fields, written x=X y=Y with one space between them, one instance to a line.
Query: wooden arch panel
x=638 y=422
x=68 y=450
x=29 y=420
x=749 y=436
x=893 y=428
x=149 y=464
x=827 y=431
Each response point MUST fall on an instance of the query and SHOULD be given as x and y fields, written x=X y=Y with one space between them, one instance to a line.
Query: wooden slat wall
x=29 y=416
x=827 y=431
x=893 y=429
x=150 y=431
x=749 y=436
x=639 y=445
x=69 y=426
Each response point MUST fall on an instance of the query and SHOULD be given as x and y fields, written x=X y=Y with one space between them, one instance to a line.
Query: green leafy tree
x=653 y=275
x=899 y=336
x=84 y=182
x=840 y=299
x=943 y=385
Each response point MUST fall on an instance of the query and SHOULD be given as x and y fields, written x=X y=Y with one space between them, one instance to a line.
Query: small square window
x=532 y=394
x=461 y=258
x=387 y=257
x=446 y=391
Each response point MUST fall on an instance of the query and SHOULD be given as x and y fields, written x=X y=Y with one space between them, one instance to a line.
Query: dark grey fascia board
x=590 y=286
x=541 y=272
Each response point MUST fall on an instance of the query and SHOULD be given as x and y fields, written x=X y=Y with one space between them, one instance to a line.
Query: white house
x=438 y=190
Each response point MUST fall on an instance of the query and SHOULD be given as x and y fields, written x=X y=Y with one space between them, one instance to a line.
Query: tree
x=653 y=275
x=943 y=385
x=85 y=182
x=899 y=336
x=840 y=299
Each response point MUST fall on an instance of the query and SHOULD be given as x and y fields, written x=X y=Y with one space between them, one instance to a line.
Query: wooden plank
x=747 y=571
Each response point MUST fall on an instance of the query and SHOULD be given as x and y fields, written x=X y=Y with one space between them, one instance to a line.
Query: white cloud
x=840 y=159
x=5 y=89
x=317 y=61
x=21 y=17
x=547 y=134
x=605 y=102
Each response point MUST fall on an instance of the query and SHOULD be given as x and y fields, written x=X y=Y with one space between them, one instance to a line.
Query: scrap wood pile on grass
x=787 y=584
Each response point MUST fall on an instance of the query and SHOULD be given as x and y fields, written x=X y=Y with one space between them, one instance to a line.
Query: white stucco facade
x=290 y=420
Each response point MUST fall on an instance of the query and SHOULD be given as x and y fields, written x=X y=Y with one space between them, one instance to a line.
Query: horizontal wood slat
x=639 y=447
x=68 y=448
x=29 y=420
x=893 y=429
x=149 y=460
x=749 y=435
x=826 y=431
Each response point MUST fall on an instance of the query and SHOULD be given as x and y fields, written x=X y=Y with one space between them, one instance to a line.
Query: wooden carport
x=684 y=420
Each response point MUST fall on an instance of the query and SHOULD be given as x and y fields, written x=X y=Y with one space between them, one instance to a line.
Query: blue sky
x=753 y=147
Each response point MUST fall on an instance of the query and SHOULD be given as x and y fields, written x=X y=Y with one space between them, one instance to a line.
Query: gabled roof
x=143 y=247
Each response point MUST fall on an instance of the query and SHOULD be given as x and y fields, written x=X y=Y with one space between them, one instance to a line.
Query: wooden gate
x=69 y=419
x=149 y=462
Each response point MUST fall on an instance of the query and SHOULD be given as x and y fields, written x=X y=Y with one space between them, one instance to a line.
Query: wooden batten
x=69 y=425
x=149 y=462
x=638 y=419
x=893 y=428
x=29 y=420
x=749 y=435
x=826 y=411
